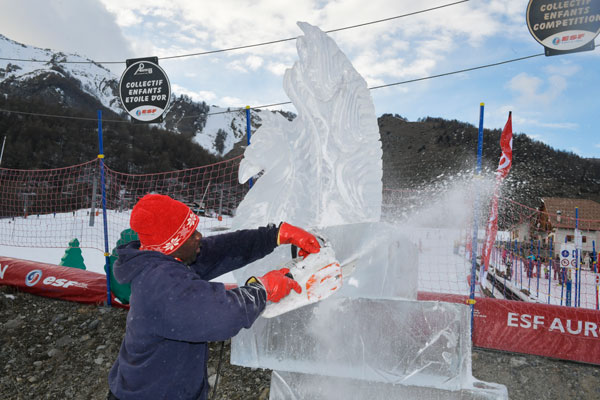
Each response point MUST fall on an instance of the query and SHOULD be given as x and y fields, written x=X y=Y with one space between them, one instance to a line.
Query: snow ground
x=442 y=268
x=45 y=238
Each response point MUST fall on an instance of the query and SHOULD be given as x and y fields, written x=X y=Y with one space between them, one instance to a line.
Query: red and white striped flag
x=501 y=173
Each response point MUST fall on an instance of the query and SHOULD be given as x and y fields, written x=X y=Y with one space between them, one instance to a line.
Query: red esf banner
x=58 y=282
x=54 y=281
x=566 y=333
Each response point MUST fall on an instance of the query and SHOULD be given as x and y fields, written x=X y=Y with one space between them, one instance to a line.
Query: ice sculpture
x=324 y=167
x=371 y=339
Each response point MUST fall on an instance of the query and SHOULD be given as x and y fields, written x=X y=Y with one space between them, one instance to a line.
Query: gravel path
x=54 y=349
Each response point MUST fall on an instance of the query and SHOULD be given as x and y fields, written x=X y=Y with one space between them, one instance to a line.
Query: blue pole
x=248 y=132
x=595 y=265
x=520 y=261
x=506 y=268
x=514 y=264
x=475 y=211
x=579 y=263
x=551 y=271
x=106 y=253
x=578 y=275
x=496 y=265
x=539 y=271
x=530 y=264
x=595 y=256
x=563 y=271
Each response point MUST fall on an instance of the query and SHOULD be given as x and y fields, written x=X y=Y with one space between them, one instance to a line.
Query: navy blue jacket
x=175 y=311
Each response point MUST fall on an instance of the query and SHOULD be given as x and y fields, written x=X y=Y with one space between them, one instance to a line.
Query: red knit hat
x=162 y=224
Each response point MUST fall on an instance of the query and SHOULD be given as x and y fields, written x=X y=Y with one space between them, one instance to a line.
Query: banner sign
x=564 y=26
x=531 y=328
x=145 y=90
x=54 y=281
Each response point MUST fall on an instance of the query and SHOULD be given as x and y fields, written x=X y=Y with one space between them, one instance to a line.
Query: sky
x=553 y=99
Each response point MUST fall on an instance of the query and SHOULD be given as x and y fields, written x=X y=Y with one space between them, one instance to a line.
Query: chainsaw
x=319 y=275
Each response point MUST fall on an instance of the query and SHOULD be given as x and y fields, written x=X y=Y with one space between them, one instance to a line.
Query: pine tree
x=73 y=257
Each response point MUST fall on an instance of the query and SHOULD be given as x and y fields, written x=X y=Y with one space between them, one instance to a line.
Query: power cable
x=249 y=45
x=57 y=116
x=289 y=102
x=329 y=31
x=400 y=83
x=456 y=72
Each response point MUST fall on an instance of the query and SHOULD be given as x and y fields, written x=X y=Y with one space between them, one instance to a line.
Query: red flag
x=506 y=147
x=501 y=173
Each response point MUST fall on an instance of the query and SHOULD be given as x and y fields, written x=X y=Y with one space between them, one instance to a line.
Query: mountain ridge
x=415 y=154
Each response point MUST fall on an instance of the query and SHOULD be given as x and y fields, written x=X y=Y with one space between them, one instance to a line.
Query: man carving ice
x=175 y=310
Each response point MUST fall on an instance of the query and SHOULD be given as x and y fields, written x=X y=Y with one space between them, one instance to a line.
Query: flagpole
x=503 y=169
x=471 y=300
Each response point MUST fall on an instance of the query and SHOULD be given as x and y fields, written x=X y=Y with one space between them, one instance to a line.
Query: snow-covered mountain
x=83 y=84
x=92 y=79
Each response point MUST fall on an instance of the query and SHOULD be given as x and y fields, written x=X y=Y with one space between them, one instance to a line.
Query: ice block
x=379 y=340
x=293 y=386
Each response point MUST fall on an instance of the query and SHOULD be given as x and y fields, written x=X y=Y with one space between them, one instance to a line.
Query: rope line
x=248 y=45
x=289 y=102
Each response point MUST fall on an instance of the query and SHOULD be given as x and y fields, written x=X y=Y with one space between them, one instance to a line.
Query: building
x=556 y=220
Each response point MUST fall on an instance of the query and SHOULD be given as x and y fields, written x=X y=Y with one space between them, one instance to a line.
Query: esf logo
x=33 y=277
x=567 y=39
x=146 y=111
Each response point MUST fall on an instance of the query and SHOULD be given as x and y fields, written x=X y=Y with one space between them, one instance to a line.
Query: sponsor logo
x=33 y=277
x=146 y=111
x=573 y=327
x=568 y=39
x=65 y=283
x=142 y=71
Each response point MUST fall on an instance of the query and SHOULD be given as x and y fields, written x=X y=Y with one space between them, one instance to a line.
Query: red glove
x=277 y=284
x=289 y=234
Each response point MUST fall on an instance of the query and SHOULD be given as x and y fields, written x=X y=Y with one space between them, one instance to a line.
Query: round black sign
x=563 y=25
x=145 y=91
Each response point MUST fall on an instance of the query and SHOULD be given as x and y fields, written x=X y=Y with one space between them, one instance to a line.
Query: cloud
x=277 y=68
x=237 y=65
x=532 y=89
x=564 y=69
x=229 y=101
x=529 y=120
x=408 y=47
x=250 y=63
x=254 y=62
x=74 y=26
x=201 y=95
